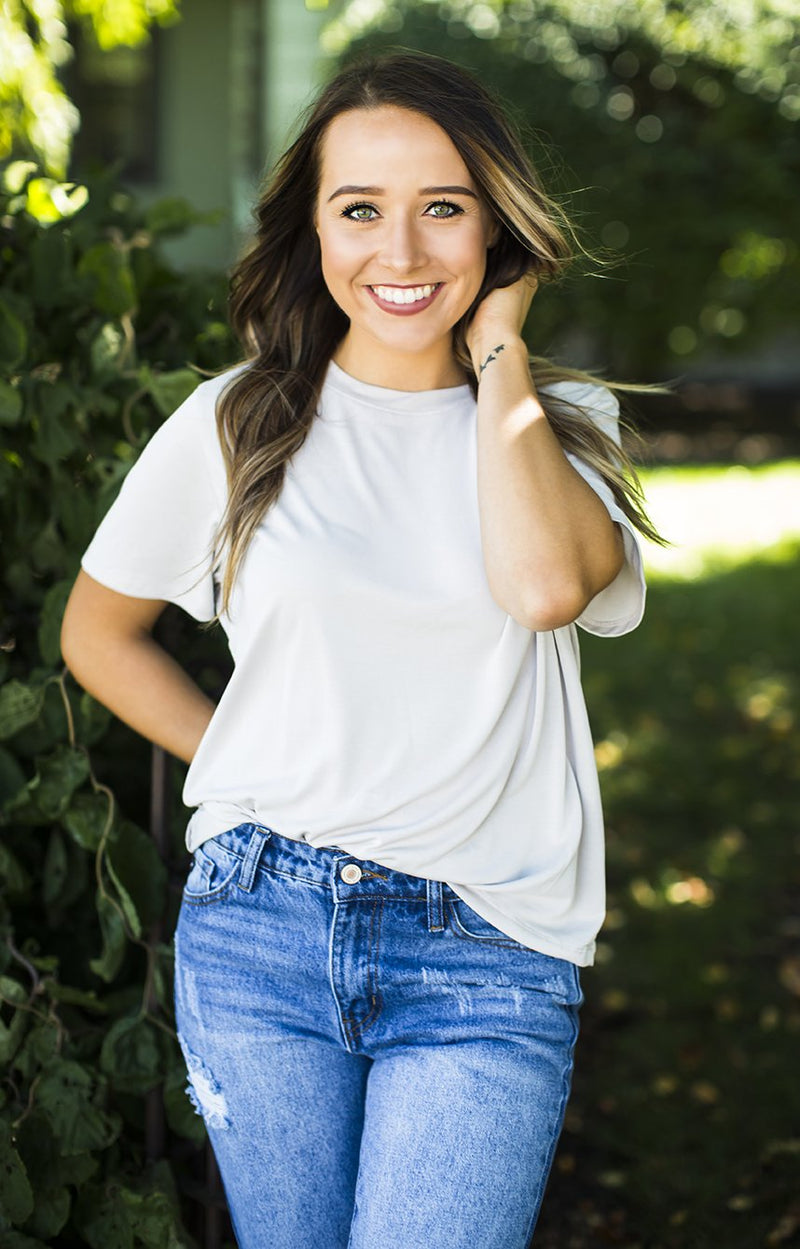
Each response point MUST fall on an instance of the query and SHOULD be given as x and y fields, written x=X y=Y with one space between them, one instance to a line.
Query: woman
x=397 y=845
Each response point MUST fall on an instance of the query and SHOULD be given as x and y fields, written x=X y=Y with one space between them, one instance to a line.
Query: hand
x=500 y=316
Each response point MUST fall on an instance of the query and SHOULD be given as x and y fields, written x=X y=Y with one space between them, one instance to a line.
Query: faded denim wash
x=378 y=1067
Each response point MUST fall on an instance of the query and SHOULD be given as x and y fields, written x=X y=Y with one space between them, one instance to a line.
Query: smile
x=405 y=299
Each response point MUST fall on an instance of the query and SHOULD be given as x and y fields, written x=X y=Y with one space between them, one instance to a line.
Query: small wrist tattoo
x=493 y=354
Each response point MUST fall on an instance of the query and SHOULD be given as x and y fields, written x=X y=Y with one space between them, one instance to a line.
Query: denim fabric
x=378 y=1067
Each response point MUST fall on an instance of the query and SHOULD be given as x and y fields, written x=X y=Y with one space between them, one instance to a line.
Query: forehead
x=396 y=141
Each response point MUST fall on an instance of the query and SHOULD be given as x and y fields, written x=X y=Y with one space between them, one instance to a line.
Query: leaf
x=107 y=272
x=169 y=390
x=55 y=600
x=51 y=1212
x=138 y=873
x=154 y=1210
x=58 y=776
x=108 y=345
x=55 y=432
x=131 y=1056
x=66 y=1094
x=20 y=705
x=41 y=1045
x=181 y=1114
x=50 y=269
x=75 y=997
x=12 y=778
x=15 y=879
x=93 y=719
x=114 y=940
x=85 y=819
x=13 y=337
x=102 y=1219
x=16 y=1195
x=10 y=404
x=12 y=1034
x=38 y=1149
x=16 y=1240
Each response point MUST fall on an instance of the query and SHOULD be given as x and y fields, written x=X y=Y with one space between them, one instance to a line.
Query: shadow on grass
x=684 y=1127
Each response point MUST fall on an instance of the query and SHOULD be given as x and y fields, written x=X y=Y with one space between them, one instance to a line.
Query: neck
x=436 y=369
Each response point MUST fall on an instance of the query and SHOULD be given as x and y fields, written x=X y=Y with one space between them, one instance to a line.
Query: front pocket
x=471 y=926
x=213 y=870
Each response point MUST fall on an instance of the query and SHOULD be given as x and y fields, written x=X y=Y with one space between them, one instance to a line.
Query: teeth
x=404 y=295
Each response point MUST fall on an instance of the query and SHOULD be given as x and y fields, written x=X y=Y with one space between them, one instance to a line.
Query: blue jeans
x=378 y=1067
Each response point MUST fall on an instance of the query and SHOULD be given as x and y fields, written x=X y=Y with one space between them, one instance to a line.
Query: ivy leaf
x=109 y=278
x=66 y=1094
x=107 y=965
x=154 y=1211
x=51 y=1212
x=16 y=881
x=58 y=776
x=169 y=390
x=20 y=705
x=13 y=337
x=38 y=1149
x=12 y=778
x=16 y=1195
x=16 y=1240
x=50 y=268
x=139 y=875
x=55 y=433
x=102 y=1219
x=131 y=1055
x=10 y=404
x=55 y=600
x=41 y=1045
x=181 y=1115
x=94 y=719
x=76 y=997
x=85 y=819
x=12 y=1034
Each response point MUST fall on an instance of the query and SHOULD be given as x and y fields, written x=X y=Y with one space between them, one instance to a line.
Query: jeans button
x=351 y=874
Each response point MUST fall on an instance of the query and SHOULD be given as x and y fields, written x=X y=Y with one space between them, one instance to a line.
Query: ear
x=494 y=232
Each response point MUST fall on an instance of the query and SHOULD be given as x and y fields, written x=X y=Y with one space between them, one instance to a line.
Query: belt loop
x=255 y=846
x=435 y=906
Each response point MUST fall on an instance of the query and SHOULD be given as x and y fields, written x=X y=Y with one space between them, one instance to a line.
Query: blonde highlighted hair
x=290 y=326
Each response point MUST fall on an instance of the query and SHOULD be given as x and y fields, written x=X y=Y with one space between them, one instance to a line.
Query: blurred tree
x=677 y=119
x=36 y=116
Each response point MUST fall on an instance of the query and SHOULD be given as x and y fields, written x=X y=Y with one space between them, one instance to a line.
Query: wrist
x=490 y=351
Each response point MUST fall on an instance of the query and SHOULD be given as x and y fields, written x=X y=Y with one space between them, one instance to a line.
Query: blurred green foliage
x=36 y=116
x=669 y=131
x=682 y=1130
x=97 y=334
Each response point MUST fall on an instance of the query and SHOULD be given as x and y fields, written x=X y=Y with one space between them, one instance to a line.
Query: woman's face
x=403 y=237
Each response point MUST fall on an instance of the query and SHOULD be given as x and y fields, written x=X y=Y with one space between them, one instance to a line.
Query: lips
x=405 y=300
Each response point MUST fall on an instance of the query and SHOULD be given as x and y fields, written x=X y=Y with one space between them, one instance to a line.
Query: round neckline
x=388 y=401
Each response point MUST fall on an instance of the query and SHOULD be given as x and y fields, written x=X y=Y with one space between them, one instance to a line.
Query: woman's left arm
x=549 y=544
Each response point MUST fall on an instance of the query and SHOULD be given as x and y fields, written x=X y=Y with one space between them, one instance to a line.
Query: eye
x=444 y=208
x=359 y=212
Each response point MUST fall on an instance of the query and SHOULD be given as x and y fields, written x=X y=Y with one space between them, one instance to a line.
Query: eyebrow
x=425 y=190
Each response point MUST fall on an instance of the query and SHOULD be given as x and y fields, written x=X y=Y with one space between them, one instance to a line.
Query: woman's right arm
x=107 y=645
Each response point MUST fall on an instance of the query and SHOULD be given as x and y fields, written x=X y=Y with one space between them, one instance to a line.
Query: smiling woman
x=399 y=519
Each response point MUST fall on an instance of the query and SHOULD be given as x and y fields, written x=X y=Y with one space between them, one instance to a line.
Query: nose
x=403 y=247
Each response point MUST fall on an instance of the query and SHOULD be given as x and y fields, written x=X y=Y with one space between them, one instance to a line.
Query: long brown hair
x=290 y=326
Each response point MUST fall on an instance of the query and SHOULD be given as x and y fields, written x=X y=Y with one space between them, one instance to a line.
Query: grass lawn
x=684 y=1127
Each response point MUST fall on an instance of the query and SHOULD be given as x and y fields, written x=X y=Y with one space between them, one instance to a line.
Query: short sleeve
x=156 y=539
x=620 y=606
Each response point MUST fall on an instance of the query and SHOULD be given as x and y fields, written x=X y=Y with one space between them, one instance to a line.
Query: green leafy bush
x=97 y=334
